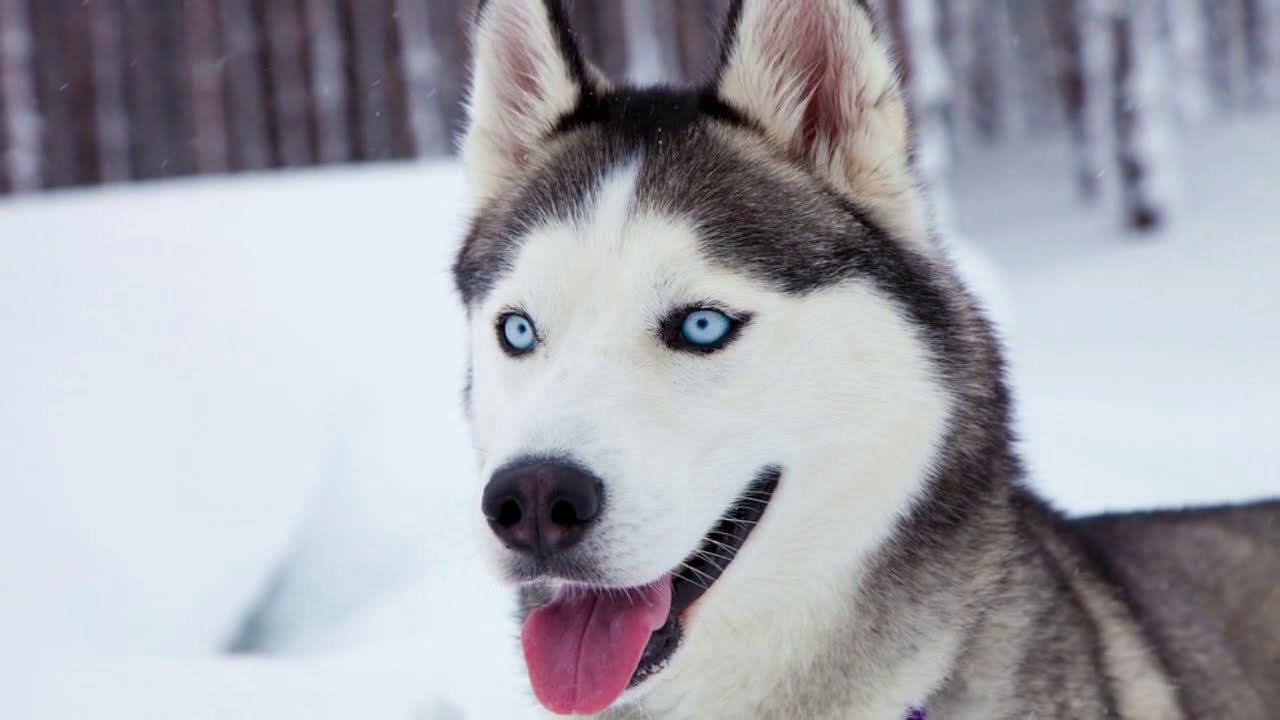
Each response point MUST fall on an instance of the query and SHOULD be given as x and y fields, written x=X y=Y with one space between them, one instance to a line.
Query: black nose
x=541 y=507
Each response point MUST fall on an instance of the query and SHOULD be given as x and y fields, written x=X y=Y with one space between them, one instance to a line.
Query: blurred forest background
x=106 y=91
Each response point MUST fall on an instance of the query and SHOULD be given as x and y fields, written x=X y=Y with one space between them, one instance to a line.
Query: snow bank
x=222 y=396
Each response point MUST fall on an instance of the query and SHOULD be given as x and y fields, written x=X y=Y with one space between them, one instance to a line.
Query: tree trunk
x=987 y=85
x=1226 y=46
x=82 y=131
x=1035 y=65
x=1141 y=108
x=111 y=106
x=21 y=142
x=1258 y=16
x=61 y=164
x=962 y=56
x=22 y=156
x=1084 y=78
x=154 y=98
x=422 y=70
x=287 y=82
x=246 y=108
x=1012 y=113
x=696 y=24
x=652 y=55
x=208 y=114
x=450 y=22
x=328 y=82
x=604 y=27
x=918 y=27
x=1187 y=40
x=369 y=73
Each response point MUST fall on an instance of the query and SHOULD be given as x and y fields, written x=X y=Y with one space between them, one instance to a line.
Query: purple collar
x=917 y=714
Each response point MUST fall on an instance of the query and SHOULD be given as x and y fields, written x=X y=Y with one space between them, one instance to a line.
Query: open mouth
x=588 y=645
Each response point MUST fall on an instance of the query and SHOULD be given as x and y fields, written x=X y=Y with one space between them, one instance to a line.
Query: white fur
x=783 y=51
x=833 y=386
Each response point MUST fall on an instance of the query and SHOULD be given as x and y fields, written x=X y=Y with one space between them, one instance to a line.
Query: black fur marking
x=644 y=114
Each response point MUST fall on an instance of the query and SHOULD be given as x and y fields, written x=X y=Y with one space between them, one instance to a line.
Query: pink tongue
x=583 y=647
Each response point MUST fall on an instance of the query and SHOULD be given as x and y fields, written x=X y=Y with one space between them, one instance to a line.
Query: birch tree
x=1226 y=51
x=1144 y=146
x=1188 y=58
x=328 y=82
x=1091 y=122
x=21 y=132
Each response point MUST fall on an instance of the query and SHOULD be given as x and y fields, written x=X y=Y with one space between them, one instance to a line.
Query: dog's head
x=696 y=316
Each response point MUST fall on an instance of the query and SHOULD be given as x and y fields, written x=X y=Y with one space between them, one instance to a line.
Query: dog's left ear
x=528 y=73
x=816 y=78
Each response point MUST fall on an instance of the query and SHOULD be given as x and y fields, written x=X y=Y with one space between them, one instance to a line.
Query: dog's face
x=694 y=376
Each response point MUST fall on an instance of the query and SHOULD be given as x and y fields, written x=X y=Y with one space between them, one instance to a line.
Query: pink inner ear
x=803 y=39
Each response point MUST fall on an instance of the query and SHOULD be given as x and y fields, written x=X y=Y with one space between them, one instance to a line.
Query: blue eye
x=517 y=334
x=705 y=329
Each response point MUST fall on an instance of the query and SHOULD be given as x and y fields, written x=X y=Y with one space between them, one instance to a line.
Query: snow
x=1147 y=371
x=224 y=398
x=208 y=405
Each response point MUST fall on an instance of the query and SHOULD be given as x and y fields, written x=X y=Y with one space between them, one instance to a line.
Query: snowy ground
x=224 y=395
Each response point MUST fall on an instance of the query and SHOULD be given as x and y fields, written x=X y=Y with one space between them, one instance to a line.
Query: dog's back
x=1204 y=585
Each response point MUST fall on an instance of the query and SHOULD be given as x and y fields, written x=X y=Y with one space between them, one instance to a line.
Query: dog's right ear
x=820 y=83
x=528 y=74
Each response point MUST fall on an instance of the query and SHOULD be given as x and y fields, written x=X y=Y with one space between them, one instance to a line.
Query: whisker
x=701 y=585
x=726 y=546
x=720 y=561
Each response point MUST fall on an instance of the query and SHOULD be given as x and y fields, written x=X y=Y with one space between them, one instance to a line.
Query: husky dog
x=745 y=438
